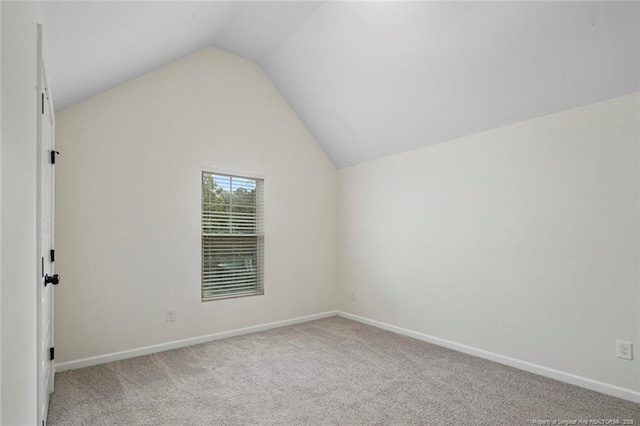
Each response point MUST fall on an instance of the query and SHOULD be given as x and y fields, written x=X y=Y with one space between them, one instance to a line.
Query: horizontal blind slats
x=229 y=285
x=237 y=276
x=232 y=241
x=219 y=294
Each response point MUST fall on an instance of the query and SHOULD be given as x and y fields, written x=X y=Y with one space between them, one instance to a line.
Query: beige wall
x=522 y=241
x=18 y=211
x=128 y=206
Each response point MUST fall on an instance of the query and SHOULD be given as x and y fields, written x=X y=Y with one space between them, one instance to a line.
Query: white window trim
x=233 y=173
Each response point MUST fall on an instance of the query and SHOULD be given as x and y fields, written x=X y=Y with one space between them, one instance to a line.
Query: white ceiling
x=369 y=79
x=93 y=46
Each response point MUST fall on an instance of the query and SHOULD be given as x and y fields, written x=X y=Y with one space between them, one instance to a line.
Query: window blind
x=232 y=236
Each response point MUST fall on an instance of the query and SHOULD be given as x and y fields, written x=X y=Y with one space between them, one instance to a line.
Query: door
x=47 y=254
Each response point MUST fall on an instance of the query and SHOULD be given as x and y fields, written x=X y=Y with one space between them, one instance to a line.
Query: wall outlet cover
x=170 y=315
x=624 y=349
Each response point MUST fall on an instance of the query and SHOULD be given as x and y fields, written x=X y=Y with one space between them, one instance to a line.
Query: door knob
x=53 y=279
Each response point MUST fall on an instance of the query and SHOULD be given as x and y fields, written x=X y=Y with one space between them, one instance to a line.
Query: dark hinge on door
x=52 y=255
x=52 y=352
x=53 y=156
x=43 y=103
x=42 y=268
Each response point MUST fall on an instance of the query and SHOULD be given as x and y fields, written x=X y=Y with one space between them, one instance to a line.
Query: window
x=232 y=236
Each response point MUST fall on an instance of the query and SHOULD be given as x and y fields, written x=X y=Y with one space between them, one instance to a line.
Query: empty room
x=319 y=213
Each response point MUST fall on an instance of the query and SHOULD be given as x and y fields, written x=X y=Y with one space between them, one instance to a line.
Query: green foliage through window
x=232 y=240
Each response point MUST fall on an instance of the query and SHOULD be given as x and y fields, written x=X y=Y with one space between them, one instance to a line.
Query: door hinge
x=52 y=352
x=42 y=267
x=52 y=255
x=53 y=156
x=42 y=103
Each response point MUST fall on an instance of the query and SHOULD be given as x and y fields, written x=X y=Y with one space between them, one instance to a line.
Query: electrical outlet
x=170 y=315
x=353 y=295
x=624 y=350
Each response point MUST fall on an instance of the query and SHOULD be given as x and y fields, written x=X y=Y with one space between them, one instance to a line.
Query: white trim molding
x=226 y=172
x=147 y=350
x=618 y=392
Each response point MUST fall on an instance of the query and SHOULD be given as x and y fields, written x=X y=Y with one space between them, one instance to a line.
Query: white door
x=48 y=277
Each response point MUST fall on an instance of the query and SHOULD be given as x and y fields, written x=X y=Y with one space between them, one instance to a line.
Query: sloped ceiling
x=369 y=79
x=94 y=46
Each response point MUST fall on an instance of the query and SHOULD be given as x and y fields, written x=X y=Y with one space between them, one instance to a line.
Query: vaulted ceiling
x=369 y=79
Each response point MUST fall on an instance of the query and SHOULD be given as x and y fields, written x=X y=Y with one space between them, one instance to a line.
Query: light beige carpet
x=326 y=372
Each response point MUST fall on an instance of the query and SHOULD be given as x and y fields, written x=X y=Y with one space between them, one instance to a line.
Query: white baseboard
x=619 y=392
x=628 y=394
x=117 y=356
